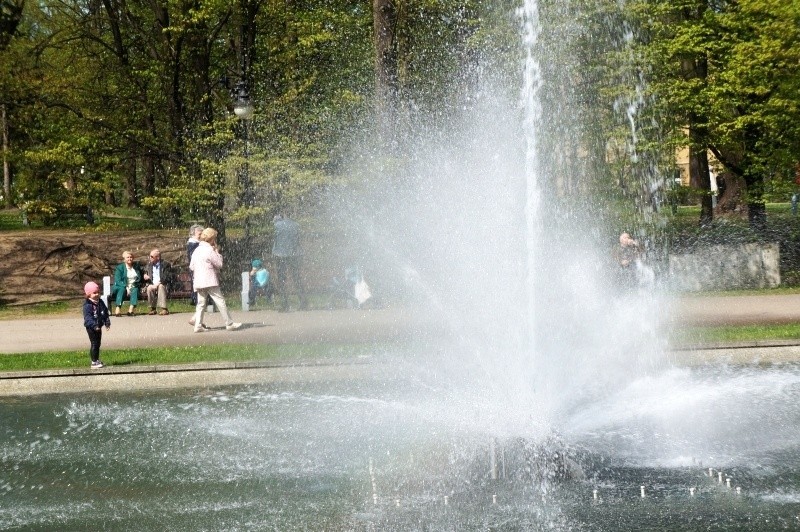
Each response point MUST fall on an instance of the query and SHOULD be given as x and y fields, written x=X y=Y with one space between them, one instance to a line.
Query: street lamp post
x=89 y=210
x=243 y=109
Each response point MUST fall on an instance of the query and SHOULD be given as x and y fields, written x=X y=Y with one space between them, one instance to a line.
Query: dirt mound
x=43 y=266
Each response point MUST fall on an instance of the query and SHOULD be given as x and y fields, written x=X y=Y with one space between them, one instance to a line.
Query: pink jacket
x=205 y=265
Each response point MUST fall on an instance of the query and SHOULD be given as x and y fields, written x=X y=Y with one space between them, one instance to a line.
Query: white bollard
x=446 y=500
x=710 y=471
x=397 y=502
x=594 y=494
x=738 y=490
x=245 y=291
x=728 y=482
x=691 y=492
x=641 y=488
x=106 y=290
x=720 y=478
x=494 y=499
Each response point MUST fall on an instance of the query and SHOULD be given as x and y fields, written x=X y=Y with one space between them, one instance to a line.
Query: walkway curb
x=144 y=378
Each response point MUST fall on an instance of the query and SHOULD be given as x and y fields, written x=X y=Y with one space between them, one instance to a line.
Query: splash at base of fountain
x=380 y=455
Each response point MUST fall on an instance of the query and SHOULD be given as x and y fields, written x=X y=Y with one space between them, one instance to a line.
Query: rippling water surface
x=378 y=456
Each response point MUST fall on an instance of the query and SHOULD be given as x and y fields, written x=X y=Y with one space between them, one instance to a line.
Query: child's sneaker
x=96 y=364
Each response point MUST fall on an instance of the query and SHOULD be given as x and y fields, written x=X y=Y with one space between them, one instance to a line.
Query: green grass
x=739 y=333
x=10 y=219
x=182 y=355
x=40 y=309
x=106 y=219
x=779 y=291
x=693 y=211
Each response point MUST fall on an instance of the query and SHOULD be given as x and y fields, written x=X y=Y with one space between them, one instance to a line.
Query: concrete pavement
x=61 y=333
x=65 y=333
x=737 y=310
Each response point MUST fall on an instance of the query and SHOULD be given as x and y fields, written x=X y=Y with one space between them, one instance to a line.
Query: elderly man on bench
x=158 y=276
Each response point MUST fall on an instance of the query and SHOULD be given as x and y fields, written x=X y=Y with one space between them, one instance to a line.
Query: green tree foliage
x=138 y=94
x=727 y=70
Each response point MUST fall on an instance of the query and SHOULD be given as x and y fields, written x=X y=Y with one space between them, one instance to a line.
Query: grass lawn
x=182 y=355
x=741 y=333
x=106 y=219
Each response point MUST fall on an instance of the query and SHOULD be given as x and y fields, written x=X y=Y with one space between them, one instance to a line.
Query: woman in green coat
x=127 y=282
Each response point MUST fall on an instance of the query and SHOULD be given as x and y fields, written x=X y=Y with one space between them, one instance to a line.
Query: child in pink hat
x=95 y=315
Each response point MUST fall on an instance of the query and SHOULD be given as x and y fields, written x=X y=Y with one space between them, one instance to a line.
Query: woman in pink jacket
x=205 y=265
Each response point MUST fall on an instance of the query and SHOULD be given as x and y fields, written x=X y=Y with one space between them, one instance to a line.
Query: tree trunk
x=695 y=66
x=757 y=216
x=130 y=180
x=730 y=189
x=10 y=17
x=700 y=178
x=7 y=200
x=148 y=175
x=384 y=17
x=756 y=206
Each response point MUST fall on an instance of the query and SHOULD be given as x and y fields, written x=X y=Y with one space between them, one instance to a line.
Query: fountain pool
x=404 y=454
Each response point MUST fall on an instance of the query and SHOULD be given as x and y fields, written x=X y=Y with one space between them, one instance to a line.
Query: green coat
x=121 y=282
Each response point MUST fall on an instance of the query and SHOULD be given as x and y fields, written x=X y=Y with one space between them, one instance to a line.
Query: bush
x=58 y=214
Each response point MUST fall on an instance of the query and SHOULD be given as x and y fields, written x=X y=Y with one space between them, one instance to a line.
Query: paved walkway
x=58 y=333
x=737 y=310
x=62 y=333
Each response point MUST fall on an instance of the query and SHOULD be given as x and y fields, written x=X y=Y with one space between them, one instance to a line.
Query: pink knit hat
x=90 y=287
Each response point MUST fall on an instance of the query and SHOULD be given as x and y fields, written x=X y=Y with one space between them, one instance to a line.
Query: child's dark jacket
x=95 y=315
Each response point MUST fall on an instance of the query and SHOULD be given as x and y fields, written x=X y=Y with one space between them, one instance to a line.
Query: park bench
x=181 y=288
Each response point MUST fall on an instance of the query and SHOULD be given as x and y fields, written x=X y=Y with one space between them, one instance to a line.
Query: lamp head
x=242 y=107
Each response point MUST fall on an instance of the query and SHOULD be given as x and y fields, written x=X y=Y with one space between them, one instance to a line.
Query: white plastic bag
x=361 y=291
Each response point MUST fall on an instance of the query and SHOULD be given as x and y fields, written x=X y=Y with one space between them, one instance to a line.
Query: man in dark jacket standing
x=287 y=256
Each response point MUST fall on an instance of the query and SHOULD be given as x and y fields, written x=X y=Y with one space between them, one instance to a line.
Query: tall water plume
x=493 y=218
